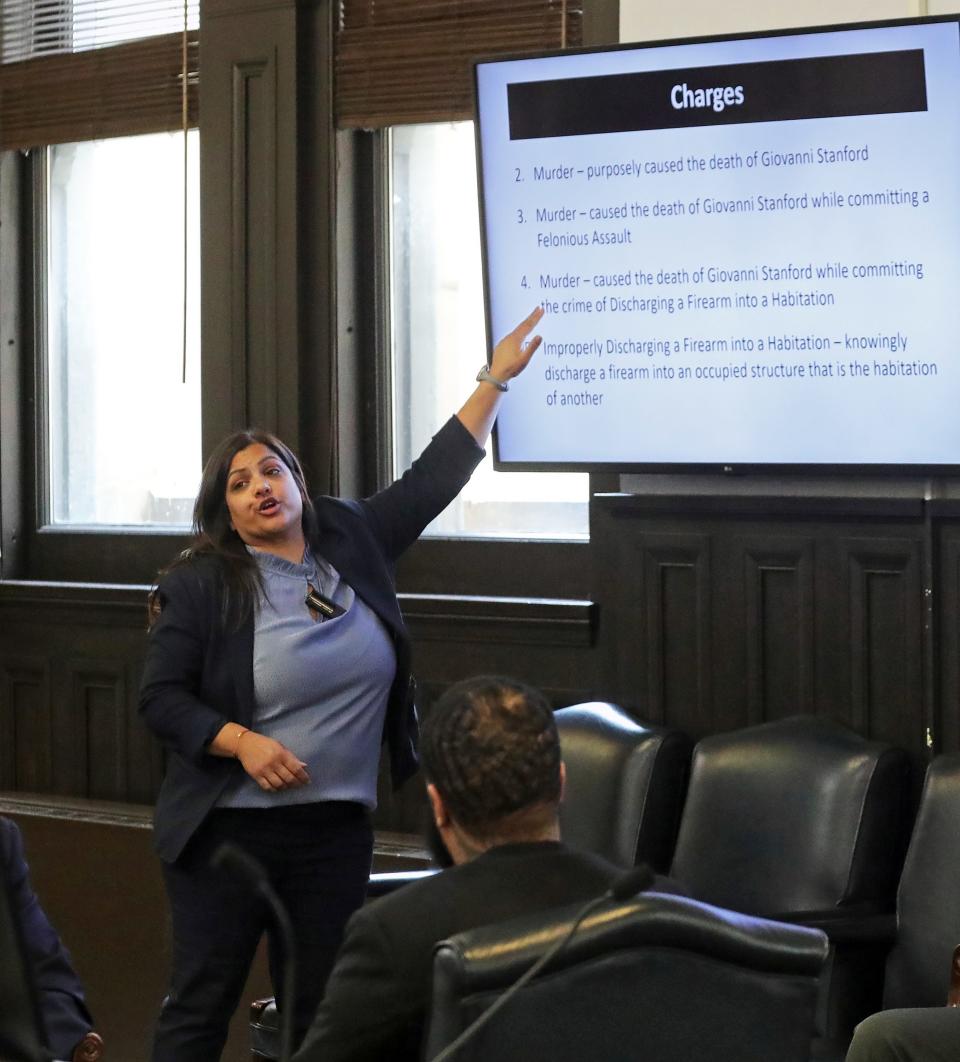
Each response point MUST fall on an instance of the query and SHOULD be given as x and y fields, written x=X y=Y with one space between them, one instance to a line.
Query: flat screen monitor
x=748 y=249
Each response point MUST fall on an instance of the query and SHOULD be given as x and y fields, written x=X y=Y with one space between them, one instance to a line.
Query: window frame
x=474 y=565
x=151 y=99
x=44 y=551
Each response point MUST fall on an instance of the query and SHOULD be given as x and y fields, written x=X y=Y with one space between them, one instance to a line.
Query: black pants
x=317 y=857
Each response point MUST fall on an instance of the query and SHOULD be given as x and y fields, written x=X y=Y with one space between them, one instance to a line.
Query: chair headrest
x=491 y=954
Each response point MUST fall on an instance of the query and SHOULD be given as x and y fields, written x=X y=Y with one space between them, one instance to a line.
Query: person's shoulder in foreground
x=914 y=1034
x=63 y=1008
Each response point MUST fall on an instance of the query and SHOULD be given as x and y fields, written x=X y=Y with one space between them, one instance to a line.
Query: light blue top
x=321 y=688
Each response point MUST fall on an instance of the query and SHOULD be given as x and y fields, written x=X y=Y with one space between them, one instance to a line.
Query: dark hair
x=214 y=537
x=490 y=746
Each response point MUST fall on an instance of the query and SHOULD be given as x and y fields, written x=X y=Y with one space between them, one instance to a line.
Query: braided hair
x=490 y=746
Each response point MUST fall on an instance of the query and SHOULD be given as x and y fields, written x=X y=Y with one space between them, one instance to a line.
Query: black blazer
x=63 y=1009
x=376 y=999
x=198 y=673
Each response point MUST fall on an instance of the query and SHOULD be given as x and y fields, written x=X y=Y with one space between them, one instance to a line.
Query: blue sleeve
x=62 y=1005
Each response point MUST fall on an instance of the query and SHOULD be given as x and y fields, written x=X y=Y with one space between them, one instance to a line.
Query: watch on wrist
x=483 y=376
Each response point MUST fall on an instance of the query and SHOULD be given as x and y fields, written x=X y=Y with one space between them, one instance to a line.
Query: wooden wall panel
x=71 y=655
x=945 y=726
x=254 y=225
x=779 y=626
x=653 y=592
x=268 y=245
x=100 y=697
x=144 y=756
x=676 y=597
x=702 y=621
x=26 y=727
x=885 y=649
x=249 y=257
x=772 y=609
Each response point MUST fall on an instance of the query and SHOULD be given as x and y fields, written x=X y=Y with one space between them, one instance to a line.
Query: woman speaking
x=277 y=664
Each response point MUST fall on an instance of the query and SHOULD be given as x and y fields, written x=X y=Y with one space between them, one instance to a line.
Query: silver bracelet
x=483 y=376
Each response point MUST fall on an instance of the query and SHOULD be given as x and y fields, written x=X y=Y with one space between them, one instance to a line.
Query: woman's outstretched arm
x=510 y=358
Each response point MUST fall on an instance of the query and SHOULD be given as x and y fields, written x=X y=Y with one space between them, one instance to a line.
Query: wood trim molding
x=521 y=621
x=393 y=850
x=114 y=597
x=765 y=503
x=75 y=809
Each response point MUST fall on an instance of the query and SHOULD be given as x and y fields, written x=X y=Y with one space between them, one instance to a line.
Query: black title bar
x=833 y=86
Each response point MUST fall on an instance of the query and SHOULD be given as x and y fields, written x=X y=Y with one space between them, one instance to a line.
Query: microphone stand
x=229 y=857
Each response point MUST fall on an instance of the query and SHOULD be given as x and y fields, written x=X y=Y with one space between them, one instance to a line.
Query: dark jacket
x=376 y=999
x=63 y=1008
x=198 y=673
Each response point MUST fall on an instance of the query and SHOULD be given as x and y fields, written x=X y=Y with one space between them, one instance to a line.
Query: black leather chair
x=659 y=978
x=928 y=901
x=921 y=968
x=805 y=821
x=625 y=784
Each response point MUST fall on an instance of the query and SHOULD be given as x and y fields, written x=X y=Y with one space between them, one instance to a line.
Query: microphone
x=322 y=605
x=623 y=887
x=230 y=857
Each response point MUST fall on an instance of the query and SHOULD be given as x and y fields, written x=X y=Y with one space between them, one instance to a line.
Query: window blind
x=404 y=61
x=88 y=69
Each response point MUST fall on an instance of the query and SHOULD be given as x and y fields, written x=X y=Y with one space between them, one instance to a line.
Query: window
x=92 y=88
x=33 y=28
x=437 y=329
x=123 y=410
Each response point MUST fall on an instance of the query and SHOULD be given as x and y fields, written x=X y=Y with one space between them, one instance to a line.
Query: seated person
x=490 y=754
x=63 y=1008
x=914 y=1034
